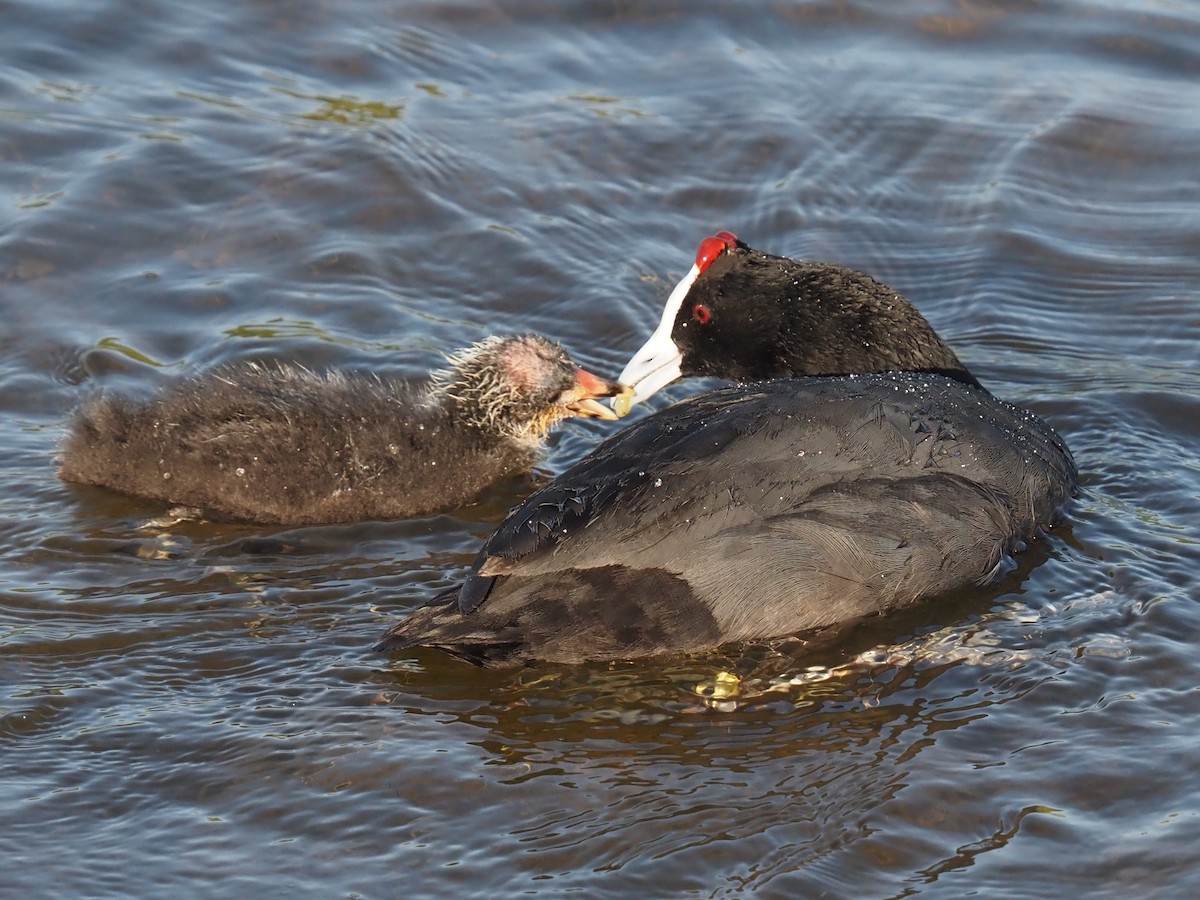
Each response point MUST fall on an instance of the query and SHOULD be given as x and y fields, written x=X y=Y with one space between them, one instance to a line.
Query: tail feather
x=442 y=626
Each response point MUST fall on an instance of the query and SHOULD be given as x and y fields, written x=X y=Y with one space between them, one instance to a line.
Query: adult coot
x=282 y=444
x=870 y=471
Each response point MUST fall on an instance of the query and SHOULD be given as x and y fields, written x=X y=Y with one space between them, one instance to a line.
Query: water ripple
x=347 y=185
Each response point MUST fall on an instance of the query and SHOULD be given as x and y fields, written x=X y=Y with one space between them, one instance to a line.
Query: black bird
x=867 y=469
x=281 y=444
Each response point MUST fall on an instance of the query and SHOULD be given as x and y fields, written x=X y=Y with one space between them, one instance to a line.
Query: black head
x=746 y=315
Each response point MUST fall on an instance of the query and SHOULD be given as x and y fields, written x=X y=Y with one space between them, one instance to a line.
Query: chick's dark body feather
x=281 y=444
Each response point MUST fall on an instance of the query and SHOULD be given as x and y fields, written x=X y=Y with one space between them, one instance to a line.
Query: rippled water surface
x=193 y=709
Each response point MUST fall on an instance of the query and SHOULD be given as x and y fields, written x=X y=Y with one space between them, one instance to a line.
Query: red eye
x=712 y=247
x=701 y=314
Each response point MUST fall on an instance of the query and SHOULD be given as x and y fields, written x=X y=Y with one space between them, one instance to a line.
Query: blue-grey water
x=193 y=709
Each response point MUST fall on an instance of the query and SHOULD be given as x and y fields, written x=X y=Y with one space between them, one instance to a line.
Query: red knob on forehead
x=712 y=247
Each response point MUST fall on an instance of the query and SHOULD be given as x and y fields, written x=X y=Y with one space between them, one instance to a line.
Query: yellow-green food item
x=623 y=402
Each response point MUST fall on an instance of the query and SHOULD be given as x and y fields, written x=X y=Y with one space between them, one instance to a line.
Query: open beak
x=582 y=399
